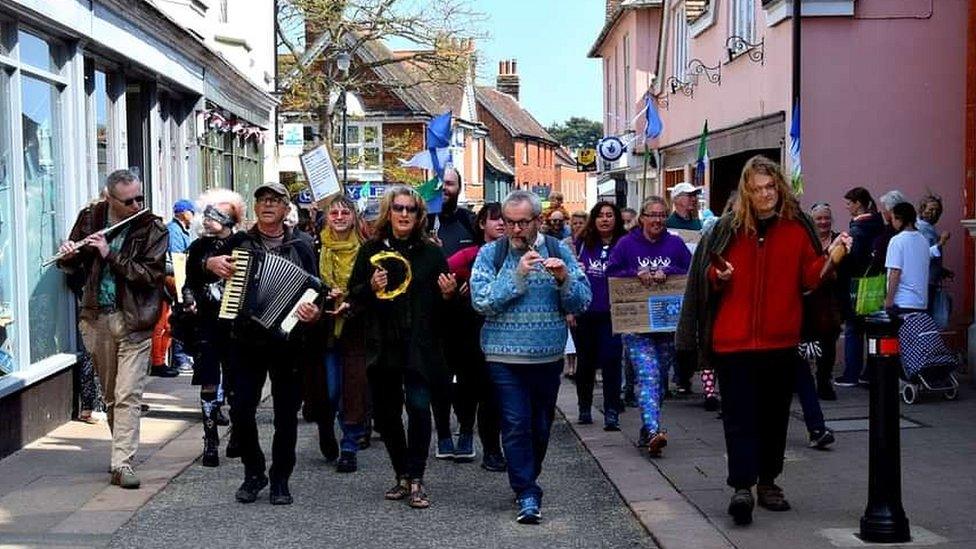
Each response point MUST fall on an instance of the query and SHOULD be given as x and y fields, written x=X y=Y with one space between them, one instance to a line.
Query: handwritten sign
x=635 y=309
x=320 y=173
x=179 y=273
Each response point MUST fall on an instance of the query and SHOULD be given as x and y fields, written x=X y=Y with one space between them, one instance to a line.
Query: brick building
x=524 y=144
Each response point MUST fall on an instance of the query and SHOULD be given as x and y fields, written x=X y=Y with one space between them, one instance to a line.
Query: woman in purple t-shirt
x=596 y=345
x=650 y=254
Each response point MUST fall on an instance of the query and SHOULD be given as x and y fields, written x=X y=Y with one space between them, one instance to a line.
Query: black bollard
x=884 y=519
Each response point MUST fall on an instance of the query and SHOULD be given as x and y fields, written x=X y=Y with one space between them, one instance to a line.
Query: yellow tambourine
x=408 y=274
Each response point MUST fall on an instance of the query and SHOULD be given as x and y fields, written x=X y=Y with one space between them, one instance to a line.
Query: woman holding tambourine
x=399 y=283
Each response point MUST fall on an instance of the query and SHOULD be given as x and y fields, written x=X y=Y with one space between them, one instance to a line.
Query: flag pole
x=797 y=29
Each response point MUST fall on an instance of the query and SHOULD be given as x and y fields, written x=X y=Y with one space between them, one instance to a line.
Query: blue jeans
x=853 y=351
x=333 y=376
x=527 y=395
x=806 y=393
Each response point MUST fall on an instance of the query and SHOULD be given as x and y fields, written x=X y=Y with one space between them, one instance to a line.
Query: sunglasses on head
x=819 y=205
x=400 y=208
x=130 y=201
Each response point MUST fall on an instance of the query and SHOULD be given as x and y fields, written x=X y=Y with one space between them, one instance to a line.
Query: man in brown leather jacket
x=121 y=275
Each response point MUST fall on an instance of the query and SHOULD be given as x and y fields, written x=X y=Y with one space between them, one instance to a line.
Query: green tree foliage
x=577 y=132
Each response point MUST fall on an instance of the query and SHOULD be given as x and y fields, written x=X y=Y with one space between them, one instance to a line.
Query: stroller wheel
x=951 y=394
x=909 y=393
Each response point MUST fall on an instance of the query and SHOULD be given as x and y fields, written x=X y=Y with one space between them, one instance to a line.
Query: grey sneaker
x=125 y=477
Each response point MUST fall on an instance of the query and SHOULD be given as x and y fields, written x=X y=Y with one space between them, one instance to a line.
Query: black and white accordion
x=268 y=289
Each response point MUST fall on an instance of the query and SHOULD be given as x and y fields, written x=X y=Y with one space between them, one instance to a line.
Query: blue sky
x=550 y=40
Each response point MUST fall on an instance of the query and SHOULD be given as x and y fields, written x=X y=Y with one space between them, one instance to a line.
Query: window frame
x=680 y=43
x=742 y=21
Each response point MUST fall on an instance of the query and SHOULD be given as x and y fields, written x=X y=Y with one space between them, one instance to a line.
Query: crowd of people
x=429 y=313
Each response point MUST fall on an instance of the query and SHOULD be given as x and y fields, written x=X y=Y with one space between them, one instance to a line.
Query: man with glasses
x=122 y=277
x=257 y=355
x=525 y=284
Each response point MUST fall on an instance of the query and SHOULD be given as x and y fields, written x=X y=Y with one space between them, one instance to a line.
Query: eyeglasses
x=130 y=201
x=655 y=215
x=520 y=223
x=339 y=213
x=400 y=208
x=270 y=200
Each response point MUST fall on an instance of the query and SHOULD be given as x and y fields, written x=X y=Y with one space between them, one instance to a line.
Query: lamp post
x=343 y=60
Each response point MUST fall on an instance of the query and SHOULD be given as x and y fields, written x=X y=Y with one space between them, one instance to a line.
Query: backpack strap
x=501 y=252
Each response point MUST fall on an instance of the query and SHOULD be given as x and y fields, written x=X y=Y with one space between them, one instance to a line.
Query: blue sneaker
x=465 y=448
x=530 y=510
x=445 y=448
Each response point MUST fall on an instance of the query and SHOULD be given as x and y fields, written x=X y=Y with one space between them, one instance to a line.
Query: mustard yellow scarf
x=335 y=263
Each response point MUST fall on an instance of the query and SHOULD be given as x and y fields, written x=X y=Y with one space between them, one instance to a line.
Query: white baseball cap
x=684 y=188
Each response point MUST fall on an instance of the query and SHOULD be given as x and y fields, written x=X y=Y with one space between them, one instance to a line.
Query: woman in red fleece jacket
x=757 y=283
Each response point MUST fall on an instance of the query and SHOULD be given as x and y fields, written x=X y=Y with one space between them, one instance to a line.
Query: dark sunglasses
x=128 y=202
x=400 y=208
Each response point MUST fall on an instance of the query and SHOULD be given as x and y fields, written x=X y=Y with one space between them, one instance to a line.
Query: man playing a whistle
x=525 y=284
x=121 y=273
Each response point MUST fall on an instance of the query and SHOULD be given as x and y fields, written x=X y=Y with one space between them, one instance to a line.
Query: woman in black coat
x=404 y=333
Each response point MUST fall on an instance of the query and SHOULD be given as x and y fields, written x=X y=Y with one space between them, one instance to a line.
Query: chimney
x=612 y=6
x=508 y=79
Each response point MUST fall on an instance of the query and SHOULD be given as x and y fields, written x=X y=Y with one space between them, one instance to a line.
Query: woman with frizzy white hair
x=204 y=337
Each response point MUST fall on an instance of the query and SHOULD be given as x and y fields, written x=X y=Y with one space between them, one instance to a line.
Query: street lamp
x=343 y=60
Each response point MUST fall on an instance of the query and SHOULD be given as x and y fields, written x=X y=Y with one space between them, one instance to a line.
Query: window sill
x=21 y=379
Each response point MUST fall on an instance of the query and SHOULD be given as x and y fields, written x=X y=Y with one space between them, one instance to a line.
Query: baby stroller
x=927 y=362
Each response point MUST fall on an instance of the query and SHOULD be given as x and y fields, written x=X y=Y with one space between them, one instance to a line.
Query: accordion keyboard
x=234 y=291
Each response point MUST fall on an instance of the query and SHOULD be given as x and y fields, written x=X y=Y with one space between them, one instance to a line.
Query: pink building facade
x=883 y=100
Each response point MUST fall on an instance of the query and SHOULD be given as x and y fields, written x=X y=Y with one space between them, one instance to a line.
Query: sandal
x=86 y=417
x=418 y=498
x=399 y=491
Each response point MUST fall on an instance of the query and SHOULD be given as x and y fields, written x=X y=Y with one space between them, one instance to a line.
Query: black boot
x=327 y=441
x=211 y=440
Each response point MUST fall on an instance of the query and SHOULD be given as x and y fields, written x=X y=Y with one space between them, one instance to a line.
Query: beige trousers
x=122 y=367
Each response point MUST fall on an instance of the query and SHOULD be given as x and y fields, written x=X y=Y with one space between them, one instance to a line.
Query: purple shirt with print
x=635 y=252
x=593 y=261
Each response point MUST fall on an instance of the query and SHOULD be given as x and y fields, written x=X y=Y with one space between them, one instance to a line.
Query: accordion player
x=268 y=289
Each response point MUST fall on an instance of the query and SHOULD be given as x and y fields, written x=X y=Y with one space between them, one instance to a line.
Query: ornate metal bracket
x=736 y=45
x=676 y=84
x=696 y=68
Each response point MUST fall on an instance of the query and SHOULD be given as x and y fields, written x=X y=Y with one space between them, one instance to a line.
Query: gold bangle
x=381 y=256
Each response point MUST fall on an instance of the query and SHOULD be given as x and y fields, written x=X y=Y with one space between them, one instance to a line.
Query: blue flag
x=653 y=125
x=796 y=171
x=438 y=137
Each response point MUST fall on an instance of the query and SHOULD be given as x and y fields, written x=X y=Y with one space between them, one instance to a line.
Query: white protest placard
x=320 y=173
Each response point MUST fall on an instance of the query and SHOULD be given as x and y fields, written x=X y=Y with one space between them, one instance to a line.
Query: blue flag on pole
x=653 y=125
x=796 y=173
x=438 y=137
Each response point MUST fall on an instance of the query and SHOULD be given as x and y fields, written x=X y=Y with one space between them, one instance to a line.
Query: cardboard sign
x=320 y=173
x=635 y=309
x=179 y=273
x=689 y=236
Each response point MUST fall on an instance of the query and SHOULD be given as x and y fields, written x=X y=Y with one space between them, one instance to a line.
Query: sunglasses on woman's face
x=402 y=208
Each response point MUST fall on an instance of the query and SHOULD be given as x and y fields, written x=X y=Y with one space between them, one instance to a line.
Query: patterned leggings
x=708 y=383
x=653 y=356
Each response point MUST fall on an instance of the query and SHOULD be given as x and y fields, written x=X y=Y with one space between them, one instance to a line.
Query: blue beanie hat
x=183 y=205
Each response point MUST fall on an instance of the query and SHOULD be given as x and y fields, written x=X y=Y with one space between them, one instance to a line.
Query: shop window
x=8 y=305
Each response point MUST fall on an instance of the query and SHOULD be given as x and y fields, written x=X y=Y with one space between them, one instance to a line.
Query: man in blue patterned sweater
x=525 y=284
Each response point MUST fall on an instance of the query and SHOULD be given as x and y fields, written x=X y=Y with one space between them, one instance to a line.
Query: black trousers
x=826 y=360
x=252 y=365
x=473 y=396
x=757 y=388
x=394 y=388
x=597 y=348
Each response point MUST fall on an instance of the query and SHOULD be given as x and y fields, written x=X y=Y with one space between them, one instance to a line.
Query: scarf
x=335 y=264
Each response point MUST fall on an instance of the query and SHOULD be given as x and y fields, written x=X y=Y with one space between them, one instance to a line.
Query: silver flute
x=87 y=239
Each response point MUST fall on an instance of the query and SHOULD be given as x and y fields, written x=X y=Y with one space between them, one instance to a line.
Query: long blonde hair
x=744 y=217
x=345 y=202
x=384 y=229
